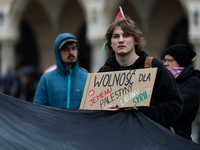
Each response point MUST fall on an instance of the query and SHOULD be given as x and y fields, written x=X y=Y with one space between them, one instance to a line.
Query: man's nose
x=121 y=39
x=166 y=63
x=70 y=50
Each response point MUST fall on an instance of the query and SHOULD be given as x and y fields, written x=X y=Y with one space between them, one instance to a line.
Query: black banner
x=25 y=126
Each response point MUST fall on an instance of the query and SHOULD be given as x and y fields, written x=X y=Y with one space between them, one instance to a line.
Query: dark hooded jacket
x=166 y=103
x=189 y=86
x=61 y=87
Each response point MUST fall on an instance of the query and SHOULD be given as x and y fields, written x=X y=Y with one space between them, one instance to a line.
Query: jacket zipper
x=68 y=88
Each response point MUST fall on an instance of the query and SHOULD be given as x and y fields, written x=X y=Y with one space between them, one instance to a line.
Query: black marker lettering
x=97 y=83
x=148 y=77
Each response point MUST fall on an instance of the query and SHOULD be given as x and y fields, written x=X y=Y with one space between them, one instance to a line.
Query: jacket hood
x=60 y=67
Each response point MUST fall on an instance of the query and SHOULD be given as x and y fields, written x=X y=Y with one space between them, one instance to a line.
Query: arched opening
x=85 y=50
x=26 y=49
x=179 y=34
x=26 y=63
x=76 y=25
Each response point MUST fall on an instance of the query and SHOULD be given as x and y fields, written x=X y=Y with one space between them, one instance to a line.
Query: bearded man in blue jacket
x=64 y=86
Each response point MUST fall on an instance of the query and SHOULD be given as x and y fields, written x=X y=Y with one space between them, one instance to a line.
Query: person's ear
x=135 y=43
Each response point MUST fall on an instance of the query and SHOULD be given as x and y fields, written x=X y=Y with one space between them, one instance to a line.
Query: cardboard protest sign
x=123 y=88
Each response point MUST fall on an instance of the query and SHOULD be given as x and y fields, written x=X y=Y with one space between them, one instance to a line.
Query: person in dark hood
x=178 y=59
x=125 y=42
x=64 y=86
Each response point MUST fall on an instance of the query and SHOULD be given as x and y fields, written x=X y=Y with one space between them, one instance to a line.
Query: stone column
x=194 y=28
x=98 y=57
x=197 y=59
x=193 y=8
x=7 y=56
x=98 y=15
x=9 y=19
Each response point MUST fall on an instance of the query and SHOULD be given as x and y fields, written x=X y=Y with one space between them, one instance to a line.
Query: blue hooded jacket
x=61 y=87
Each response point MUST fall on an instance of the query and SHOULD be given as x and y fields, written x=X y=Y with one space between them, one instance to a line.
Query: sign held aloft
x=123 y=88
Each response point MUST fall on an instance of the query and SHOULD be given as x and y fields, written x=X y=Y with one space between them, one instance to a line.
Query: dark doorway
x=179 y=34
x=26 y=50
x=84 y=55
x=26 y=64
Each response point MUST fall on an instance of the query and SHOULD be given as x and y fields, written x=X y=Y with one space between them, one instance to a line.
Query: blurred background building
x=28 y=29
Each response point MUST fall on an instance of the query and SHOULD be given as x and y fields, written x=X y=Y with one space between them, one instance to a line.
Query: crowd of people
x=20 y=84
x=175 y=98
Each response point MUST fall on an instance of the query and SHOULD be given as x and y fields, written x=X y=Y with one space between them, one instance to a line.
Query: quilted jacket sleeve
x=41 y=93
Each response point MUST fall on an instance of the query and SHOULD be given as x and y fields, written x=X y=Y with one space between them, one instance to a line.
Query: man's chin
x=69 y=63
x=124 y=53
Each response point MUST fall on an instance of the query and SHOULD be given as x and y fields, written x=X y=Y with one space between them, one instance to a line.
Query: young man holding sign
x=124 y=42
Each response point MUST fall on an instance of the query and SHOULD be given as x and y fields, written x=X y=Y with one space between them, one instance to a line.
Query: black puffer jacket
x=168 y=103
x=189 y=86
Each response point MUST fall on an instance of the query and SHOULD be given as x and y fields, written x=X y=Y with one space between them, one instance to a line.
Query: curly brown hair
x=129 y=27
